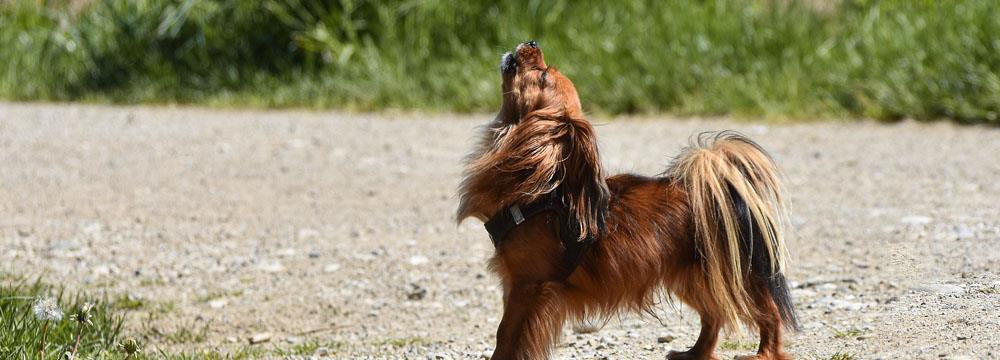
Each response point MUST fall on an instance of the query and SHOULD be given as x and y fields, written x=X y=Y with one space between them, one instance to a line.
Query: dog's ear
x=583 y=187
x=541 y=154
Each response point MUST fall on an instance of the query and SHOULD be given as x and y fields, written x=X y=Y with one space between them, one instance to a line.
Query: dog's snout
x=533 y=44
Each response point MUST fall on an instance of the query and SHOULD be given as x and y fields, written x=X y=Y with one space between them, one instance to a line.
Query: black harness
x=504 y=221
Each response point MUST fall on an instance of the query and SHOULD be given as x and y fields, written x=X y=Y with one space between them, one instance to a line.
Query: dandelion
x=46 y=309
x=130 y=347
x=82 y=319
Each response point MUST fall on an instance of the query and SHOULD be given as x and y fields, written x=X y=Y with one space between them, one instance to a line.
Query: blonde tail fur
x=736 y=201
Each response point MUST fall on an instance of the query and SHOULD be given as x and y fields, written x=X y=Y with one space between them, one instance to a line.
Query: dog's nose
x=532 y=43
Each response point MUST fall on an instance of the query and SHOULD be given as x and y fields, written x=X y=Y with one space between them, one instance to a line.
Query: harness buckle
x=515 y=213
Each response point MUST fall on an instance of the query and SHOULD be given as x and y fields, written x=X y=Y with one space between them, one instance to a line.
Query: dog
x=573 y=244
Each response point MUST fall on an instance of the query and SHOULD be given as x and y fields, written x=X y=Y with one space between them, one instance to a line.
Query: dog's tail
x=738 y=210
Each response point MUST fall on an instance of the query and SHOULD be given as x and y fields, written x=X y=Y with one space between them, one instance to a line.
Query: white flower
x=46 y=309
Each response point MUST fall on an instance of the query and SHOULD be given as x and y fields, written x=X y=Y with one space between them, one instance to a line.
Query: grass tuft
x=21 y=332
x=842 y=356
x=737 y=345
x=849 y=333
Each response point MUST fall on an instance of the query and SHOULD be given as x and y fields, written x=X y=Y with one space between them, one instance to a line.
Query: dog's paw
x=688 y=355
x=779 y=356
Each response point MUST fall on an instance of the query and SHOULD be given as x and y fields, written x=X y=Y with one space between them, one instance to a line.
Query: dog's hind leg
x=533 y=317
x=769 y=322
x=704 y=348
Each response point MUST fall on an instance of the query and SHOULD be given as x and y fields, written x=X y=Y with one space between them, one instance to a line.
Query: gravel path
x=335 y=230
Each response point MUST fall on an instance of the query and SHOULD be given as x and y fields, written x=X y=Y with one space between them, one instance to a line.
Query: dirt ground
x=336 y=230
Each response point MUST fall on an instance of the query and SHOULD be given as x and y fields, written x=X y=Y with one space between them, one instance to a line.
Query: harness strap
x=504 y=221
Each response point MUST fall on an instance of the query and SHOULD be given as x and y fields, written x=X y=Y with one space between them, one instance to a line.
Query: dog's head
x=531 y=85
x=539 y=144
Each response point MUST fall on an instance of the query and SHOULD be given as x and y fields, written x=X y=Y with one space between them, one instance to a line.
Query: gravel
x=337 y=229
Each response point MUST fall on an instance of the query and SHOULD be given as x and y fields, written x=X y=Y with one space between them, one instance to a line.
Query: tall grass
x=856 y=58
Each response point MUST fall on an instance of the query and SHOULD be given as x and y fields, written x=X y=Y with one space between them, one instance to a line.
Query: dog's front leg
x=533 y=317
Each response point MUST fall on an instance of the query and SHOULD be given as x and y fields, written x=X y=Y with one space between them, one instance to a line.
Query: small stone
x=306 y=233
x=633 y=334
x=293 y=340
x=418 y=260
x=23 y=232
x=827 y=287
x=331 y=268
x=259 y=338
x=218 y=303
x=940 y=289
x=416 y=293
x=286 y=252
x=105 y=269
x=486 y=354
x=231 y=339
x=314 y=254
x=915 y=220
x=665 y=339
x=271 y=267
x=322 y=351
x=964 y=232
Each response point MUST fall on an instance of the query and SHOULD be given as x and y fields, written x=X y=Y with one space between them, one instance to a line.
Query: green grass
x=404 y=342
x=782 y=59
x=737 y=345
x=21 y=332
x=849 y=333
x=842 y=356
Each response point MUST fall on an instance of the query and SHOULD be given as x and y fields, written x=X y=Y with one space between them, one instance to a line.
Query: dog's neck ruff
x=507 y=219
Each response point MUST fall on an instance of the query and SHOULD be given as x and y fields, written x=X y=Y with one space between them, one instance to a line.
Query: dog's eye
x=545 y=76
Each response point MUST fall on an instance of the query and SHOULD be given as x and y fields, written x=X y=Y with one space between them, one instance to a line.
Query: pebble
x=322 y=351
x=827 y=287
x=306 y=233
x=331 y=268
x=217 y=303
x=964 y=232
x=940 y=289
x=665 y=339
x=837 y=304
x=915 y=220
x=418 y=260
x=416 y=293
x=486 y=354
x=271 y=267
x=259 y=338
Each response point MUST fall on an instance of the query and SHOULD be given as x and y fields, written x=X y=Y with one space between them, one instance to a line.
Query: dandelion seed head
x=46 y=309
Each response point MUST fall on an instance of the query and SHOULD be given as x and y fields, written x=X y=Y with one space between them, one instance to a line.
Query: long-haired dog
x=573 y=244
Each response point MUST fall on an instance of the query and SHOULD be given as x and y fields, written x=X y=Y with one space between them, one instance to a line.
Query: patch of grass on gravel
x=309 y=348
x=842 y=356
x=737 y=345
x=849 y=333
x=103 y=335
x=23 y=322
x=404 y=342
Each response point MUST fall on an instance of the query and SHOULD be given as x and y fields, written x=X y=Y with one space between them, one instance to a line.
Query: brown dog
x=572 y=244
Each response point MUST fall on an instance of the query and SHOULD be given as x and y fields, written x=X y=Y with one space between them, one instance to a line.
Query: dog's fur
x=708 y=230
